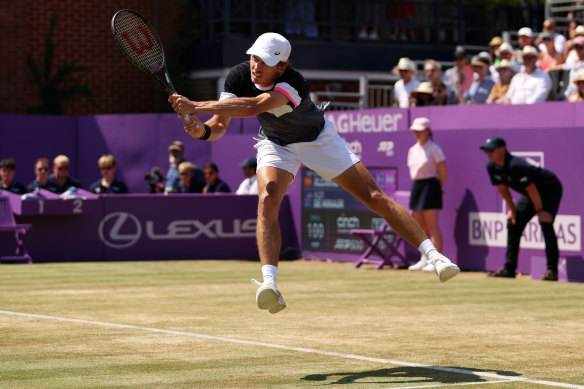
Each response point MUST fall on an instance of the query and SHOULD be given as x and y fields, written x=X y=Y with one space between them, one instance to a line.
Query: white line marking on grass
x=443 y=385
x=299 y=349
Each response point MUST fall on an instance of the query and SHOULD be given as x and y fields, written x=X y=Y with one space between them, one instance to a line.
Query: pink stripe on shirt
x=287 y=95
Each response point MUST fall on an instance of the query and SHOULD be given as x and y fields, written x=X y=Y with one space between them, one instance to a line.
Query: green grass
x=521 y=328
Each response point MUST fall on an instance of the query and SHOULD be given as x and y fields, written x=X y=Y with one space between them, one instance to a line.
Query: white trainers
x=428 y=267
x=444 y=269
x=420 y=264
x=268 y=297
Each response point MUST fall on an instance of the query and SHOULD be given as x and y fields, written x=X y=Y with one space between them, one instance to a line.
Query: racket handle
x=187 y=118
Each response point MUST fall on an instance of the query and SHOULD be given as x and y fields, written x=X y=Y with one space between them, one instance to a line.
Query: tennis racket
x=142 y=45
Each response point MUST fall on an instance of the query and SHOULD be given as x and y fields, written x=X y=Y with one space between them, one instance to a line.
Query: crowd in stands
x=182 y=176
x=543 y=67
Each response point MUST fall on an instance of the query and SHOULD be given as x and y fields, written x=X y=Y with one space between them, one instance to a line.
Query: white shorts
x=328 y=155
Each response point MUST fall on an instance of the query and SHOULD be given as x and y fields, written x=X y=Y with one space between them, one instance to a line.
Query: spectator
x=459 y=78
x=439 y=93
x=300 y=18
x=406 y=84
x=494 y=45
x=7 y=173
x=550 y=57
x=250 y=184
x=569 y=52
x=541 y=192
x=482 y=84
x=108 y=183
x=579 y=94
x=428 y=171
x=422 y=95
x=41 y=172
x=432 y=70
x=506 y=52
x=549 y=28
x=575 y=68
x=60 y=180
x=499 y=90
x=192 y=179
x=176 y=152
x=214 y=183
x=531 y=85
x=525 y=37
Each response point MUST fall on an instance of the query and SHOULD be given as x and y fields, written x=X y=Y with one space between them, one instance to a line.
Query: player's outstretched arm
x=212 y=130
x=238 y=107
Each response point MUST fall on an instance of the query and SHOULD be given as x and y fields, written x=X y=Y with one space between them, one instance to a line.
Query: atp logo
x=120 y=230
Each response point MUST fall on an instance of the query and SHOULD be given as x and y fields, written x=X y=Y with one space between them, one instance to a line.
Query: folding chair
x=7 y=224
x=384 y=236
x=373 y=240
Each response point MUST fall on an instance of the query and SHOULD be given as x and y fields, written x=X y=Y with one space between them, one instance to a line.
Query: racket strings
x=139 y=42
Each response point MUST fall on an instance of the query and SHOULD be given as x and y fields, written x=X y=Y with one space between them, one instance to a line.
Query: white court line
x=298 y=349
x=444 y=385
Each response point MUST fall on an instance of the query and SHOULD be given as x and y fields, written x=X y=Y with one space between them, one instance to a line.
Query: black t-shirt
x=116 y=187
x=218 y=187
x=298 y=121
x=517 y=174
x=53 y=185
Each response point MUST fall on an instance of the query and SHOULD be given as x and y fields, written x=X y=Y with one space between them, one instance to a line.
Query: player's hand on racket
x=193 y=125
x=182 y=105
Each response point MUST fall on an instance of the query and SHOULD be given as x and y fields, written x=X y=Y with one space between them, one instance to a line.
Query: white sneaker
x=268 y=297
x=420 y=264
x=428 y=267
x=444 y=269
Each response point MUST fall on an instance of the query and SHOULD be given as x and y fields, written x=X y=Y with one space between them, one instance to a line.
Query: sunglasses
x=43 y=169
x=208 y=173
x=184 y=173
x=62 y=168
x=106 y=167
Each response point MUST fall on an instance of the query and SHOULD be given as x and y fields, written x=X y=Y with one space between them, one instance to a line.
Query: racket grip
x=187 y=118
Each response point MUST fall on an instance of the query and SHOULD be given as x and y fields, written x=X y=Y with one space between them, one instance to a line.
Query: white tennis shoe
x=268 y=297
x=444 y=269
x=420 y=264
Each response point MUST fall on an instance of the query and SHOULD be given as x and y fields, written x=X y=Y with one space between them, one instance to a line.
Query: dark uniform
x=517 y=174
x=53 y=185
x=116 y=187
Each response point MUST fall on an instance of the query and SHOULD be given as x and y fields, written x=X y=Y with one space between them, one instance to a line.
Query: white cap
x=405 y=63
x=420 y=124
x=272 y=48
x=525 y=31
x=506 y=47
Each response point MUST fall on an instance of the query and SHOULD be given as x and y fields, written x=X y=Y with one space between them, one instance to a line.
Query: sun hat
x=424 y=87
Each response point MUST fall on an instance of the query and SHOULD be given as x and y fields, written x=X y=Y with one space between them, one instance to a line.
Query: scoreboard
x=329 y=213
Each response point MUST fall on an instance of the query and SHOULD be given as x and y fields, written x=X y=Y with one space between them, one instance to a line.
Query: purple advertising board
x=472 y=219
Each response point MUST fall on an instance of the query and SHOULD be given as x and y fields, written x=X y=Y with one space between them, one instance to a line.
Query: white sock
x=427 y=248
x=270 y=273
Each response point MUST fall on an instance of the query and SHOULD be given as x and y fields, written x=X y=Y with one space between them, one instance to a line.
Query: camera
x=153 y=179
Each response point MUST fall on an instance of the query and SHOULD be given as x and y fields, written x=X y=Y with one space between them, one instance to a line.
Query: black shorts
x=426 y=194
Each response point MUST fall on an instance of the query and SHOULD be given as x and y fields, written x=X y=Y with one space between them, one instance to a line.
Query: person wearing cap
x=250 y=184
x=525 y=37
x=482 y=84
x=499 y=90
x=176 y=151
x=192 y=179
x=427 y=166
x=7 y=174
x=407 y=83
x=575 y=68
x=293 y=131
x=60 y=180
x=579 y=95
x=459 y=78
x=422 y=95
x=108 y=183
x=541 y=192
x=531 y=85
x=549 y=27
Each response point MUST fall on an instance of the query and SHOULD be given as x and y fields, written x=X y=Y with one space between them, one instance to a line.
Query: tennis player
x=293 y=131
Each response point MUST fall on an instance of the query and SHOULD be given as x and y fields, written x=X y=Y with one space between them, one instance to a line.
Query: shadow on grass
x=409 y=375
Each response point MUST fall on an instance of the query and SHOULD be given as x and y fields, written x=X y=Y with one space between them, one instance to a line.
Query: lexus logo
x=120 y=230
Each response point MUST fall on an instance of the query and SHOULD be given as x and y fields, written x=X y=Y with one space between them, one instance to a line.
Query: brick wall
x=83 y=36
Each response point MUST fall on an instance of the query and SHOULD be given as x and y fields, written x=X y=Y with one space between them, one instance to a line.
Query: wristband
x=207 y=133
x=540 y=210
